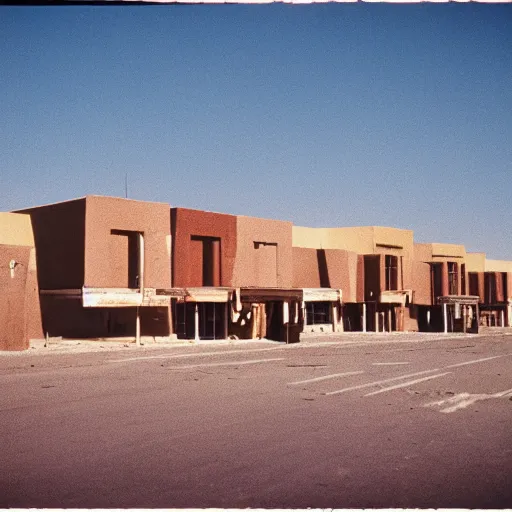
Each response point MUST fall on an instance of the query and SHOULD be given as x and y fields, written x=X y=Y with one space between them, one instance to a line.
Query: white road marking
x=195 y=354
x=476 y=361
x=228 y=363
x=324 y=377
x=377 y=382
x=390 y=364
x=405 y=384
x=463 y=400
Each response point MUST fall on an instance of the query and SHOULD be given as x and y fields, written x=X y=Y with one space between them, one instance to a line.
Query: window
x=452 y=278
x=490 y=288
x=127 y=253
x=209 y=255
x=391 y=269
x=473 y=283
x=318 y=313
x=436 y=281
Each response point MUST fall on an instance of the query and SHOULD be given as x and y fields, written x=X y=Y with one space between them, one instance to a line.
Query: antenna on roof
x=126 y=185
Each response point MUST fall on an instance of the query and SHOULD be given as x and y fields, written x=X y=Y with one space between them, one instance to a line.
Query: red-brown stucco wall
x=253 y=268
x=187 y=254
x=20 y=317
x=59 y=236
x=104 y=214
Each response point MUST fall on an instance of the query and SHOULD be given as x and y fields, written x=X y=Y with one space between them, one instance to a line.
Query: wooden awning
x=197 y=294
x=458 y=299
x=321 y=295
x=401 y=297
x=270 y=294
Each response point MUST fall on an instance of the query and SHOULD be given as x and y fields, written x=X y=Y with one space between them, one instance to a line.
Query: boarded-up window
x=265 y=264
x=391 y=270
x=452 y=278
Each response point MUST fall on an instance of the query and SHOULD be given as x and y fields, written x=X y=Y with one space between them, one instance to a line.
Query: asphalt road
x=398 y=421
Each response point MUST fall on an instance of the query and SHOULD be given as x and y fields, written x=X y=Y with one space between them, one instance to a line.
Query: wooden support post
x=196 y=322
x=334 y=311
x=137 y=328
x=445 y=317
x=169 y=318
x=254 y=319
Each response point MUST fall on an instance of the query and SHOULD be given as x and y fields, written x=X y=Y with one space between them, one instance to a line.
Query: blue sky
x=325 y=115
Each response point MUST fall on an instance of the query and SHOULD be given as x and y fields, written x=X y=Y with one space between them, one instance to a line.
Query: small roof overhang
x=321 y=295
x=197 y=294
x=401 y=297
x=269 y=294
x=458 y=299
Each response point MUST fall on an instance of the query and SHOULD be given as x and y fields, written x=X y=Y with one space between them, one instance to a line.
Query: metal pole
x=502 y=318
x=364 y=316
x=137 y=328
x=196 y=322
x=445 y=317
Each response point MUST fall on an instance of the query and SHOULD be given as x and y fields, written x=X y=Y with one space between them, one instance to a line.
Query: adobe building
x=231 y=276
x=441 y=289
x=99 y=263
x=328 y=279
x=384 y=273
x=203 y=259
x=265 y=304
x=491 y=281
x=20 y=316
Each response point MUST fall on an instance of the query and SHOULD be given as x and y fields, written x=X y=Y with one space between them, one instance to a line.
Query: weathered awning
x=269 y=294
x=401 y=297
x=197 y=294
x=458 y=299
x=321 y=295
x=121 y=298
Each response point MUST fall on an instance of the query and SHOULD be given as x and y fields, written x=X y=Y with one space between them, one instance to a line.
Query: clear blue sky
x=325 y=115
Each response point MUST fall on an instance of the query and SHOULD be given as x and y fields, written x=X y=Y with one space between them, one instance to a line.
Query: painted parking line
x=476 y=361
x=409 y=383
x=227 y=363
x=324 y=377
x=391 y=364
x=463 y=400
x=195 y=354
x=378 y=382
